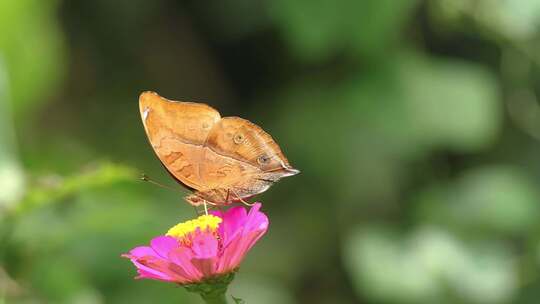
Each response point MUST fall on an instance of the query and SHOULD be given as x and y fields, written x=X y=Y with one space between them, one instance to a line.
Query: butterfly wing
x=243 y=140
x=239 y=155
x=177 y=132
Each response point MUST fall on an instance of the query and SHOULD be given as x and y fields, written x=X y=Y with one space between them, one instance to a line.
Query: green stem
x=212 y=290
x=215 y=298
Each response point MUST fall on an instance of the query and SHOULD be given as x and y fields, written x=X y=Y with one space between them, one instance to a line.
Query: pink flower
x=207 y=247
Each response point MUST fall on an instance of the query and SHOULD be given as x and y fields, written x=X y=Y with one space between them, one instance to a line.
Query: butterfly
x=221 y=159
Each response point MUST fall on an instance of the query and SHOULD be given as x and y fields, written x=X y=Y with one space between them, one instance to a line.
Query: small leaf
x=57 y=188
x=238 y=300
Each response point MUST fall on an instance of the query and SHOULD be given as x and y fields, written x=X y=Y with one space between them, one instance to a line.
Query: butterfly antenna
x=146 y=178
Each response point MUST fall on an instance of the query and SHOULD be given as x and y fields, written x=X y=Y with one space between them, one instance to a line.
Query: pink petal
x=208 y=267
x=204 y=245
x=143 y=274
x=225 y=263
x=240 y=232
x=182 y=257
x=233 y=219
x=162 y=245
x=165 y=267
x=205 y=250
x=235 y=252
x=140 y=251
x=255 y=220
x=149 y=271
x=146 y=253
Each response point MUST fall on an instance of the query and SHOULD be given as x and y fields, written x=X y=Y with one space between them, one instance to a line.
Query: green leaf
x=237 y=300
x=12 y=176
x=58 y=188
x=514 y=20
x=31 y=47
x=484 y=200
x=318 y=29
x=381 y=269
x=428 y=265
x=450 y=103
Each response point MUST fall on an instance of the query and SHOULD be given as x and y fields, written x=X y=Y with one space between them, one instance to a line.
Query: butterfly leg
x=241 y=200
x=197 y=201
x=196 y=211
x=194 y=200
x=227 y=197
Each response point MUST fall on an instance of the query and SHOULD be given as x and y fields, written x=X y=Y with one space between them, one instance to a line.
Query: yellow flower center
x=203 y=223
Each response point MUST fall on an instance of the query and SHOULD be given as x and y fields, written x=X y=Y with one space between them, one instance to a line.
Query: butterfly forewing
x=177 y=131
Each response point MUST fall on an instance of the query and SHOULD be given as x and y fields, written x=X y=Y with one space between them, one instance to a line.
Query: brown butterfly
x=223 y=160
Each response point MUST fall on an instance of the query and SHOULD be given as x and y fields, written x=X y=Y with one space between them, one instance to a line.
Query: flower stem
x=214 y=298
x=212 y=290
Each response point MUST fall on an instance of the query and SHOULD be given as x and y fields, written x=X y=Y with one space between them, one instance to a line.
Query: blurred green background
x=416 y=125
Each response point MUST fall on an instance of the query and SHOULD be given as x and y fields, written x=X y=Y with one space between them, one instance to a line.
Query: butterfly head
x=275 y=166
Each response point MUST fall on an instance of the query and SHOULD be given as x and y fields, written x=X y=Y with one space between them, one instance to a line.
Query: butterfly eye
x=238 y=138
x=263 y=160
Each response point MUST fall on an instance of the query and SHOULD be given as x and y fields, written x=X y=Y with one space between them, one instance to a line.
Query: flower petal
x=161 y=267
x=233 y=254
x=208 y=267
x=144 y=274
x=205 y=251
x=182 y=257
x=254 y=227
x=146 y=253
x=140 y=251
x=255 y=220
x=204 y=245
x=162 y=245
x=148 y=272
x=233 y=219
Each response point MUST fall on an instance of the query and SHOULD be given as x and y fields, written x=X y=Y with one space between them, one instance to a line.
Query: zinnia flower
x=201 y=250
